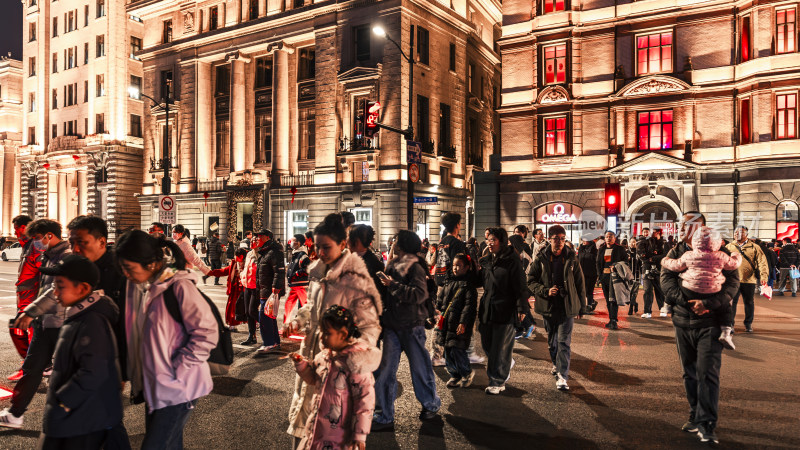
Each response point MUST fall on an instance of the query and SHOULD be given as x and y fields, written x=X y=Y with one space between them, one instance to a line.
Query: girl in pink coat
x=701 y=272
x=344 y=391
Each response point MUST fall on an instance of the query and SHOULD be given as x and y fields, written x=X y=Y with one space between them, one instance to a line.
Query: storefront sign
x=558 y=213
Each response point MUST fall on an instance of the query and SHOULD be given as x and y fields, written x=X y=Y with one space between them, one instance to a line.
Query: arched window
x=787 y=216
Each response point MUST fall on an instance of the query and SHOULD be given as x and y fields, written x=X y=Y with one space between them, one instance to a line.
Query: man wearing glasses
x=556 y=279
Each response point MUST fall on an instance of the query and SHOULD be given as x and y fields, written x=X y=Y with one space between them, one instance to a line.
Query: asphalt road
x=626 y=392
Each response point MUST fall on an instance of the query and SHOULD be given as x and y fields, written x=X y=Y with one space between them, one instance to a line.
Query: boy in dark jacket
x=83 y=399
x=458 y=301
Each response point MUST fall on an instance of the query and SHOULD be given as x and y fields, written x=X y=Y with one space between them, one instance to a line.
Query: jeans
x=747 y=291
x=216 y=264
x=559 y=337
x=700 y=353
x=40 y=355
x=412 y=343
x=164 y=427
x=269 y=326
x=251 y=303
x=784 y=278
x=89 y=441
x=456 y=362
x=611 y=304
x=297 y=294
x=497 y=340
x=652 y=286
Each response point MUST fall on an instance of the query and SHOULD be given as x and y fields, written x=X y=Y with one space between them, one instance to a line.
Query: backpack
x=443 y=265
x=221 y=356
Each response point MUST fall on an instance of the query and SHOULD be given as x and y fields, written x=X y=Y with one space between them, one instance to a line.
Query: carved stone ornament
x=188 y=21
x=655 y=87
x=555 y=94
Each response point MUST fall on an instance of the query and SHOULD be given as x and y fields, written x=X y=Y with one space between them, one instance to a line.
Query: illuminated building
x=81 y=146
x=264 y=123
x=690 y=105
x=10 y=138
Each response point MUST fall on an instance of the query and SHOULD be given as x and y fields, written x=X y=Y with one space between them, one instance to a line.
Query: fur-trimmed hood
x=403 y=264
x=357 y=356
x=350 y=271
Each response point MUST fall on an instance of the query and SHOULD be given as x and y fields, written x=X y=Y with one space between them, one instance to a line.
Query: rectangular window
x=555 y=136
x=213 y=18
x=55 y=99
x=296 y=222
x=55 y=63
x=32 y=135
x=785 y=30
x=264 y=138
x=86 y=15
x=555 y=64
x=307 y=129
x=136 y=84
x=253 y=10
x=444 y=174
x=71 y=21
x=787 y=116
x=264 y=72
x=55 y=26
x=32 y=66
x=363 y=215
x=554 y=6
x=654 y=53
x=223 y=134
x=86 y=53
x=166 y=32
x=453 y=57
x=136 y=126
x=223 y=80
x=744 y=40
x=136 y=46
x=100 y=123
x=655 y=130
x=101 y=86
x=423 y=120
x=361 y=41
x=86 y=92
x=31 y=102
x=31 y=31
x=423 y=38
x=72 y=60
x=470 y=77
x=360 y=171
x=445 y=137
x=166 y=85
x=55 y=131
x=306 y=69
x=101 y=46
x=101 y=8
x=744 y=122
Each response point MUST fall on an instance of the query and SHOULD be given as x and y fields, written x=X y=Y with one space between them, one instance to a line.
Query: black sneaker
x=377 y=427
x=690 y=426
x=612 y=326
x=749 y=329
x=427 y=414
x=705 y=431
x=250 y=341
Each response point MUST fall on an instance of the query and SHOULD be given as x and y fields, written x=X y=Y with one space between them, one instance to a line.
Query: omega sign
x=558 y=213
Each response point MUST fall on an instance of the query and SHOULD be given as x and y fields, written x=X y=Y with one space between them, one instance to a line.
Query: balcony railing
x=357 y=144
x=158 y=163
x=447 y=151
x=429 y=148
x=302 y=179
x=474 y=159
x=210 y=186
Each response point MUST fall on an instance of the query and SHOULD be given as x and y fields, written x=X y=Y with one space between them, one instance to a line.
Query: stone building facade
x=689 y=105
x=267 y=102
x=10 y=138
x=81 y=146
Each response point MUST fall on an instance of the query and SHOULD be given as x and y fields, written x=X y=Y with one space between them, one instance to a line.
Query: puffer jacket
x=505 y=294
x=297 y=272
x=405 y=306
x=270 y=269
x=587 y=258
x=248 y=277
x=701 y=268
x=344 y=396
x=169 y=357
x=46 y=305
x=747 y=273
x=346 y=283
x=193 y=260
x=214 y=249
x=682 y=314
x=86 y=375
x=458 y=302
x=789 y=256
x=540 y=280
x=29 y=263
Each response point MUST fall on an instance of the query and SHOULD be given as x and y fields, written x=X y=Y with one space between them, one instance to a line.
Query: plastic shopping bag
x=794 y=273
x=766 y=291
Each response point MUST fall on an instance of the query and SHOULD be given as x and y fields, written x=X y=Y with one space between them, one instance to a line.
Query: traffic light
x=613 y=199
x=370 y=117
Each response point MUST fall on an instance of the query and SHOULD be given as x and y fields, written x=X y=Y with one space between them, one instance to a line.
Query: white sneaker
x=476 y=359
x=266 y=348
x=467 y=380
x=726 y=339
x=438 y=362
x=647 y=316
x=561 y=383
x=494 y=390
x=664 y=314
x=453 y=382
x=9 y=420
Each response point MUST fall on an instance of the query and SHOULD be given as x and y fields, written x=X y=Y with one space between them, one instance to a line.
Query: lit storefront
x=565 y=214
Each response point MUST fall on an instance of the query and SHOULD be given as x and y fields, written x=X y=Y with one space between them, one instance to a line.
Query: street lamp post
x=408 y=133
x=166 y=163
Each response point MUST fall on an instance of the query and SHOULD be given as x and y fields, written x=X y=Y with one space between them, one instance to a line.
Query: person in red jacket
x=234 y=310
x=27 y=285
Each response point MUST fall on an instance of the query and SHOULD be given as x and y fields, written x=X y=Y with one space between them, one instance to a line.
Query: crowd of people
x=96 y=316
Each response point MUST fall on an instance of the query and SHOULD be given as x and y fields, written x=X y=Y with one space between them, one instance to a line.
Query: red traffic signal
x=372 y=111
x=613 y=199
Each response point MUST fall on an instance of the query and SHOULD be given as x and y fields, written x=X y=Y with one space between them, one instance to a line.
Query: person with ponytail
x=337 y=277
x=167 y=364
x=344 y=389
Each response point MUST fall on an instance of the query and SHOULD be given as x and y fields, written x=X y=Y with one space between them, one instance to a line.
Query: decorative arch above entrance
x=657 y=211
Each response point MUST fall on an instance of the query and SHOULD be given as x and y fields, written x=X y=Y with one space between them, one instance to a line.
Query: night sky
x=11 y=28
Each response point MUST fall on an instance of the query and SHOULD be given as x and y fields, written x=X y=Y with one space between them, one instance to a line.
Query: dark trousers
x=526 y=323
x=652 y=286
x=784 y=277
x=40 y=354
x=251 y=302
x=559 y=338
x=589 y=282
x=747 y=291
x=497 y=340
x=700 y=353
x=269 y=326
x=611 y=304
x=216 y=264
x=164 y=427
x=89 y=441
x=456 y=362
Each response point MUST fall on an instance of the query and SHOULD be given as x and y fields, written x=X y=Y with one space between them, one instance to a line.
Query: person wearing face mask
x=46 y=314
x=27 y=285
x=337 y=277
x=234 y=310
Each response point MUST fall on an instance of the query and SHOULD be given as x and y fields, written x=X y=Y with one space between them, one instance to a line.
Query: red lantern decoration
x=293 y=190
x=205 y=196
x=46 y=165
x=76 y=157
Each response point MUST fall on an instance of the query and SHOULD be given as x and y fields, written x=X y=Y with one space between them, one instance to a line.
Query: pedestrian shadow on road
x=21 y=433
x=598 y=372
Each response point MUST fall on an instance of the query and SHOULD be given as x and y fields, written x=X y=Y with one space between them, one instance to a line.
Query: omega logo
x=558 y=215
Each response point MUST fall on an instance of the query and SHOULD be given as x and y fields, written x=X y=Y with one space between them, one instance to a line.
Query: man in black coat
x=587 y=257
x=215 y=255
x=789 y=260
x=609 y=254
x=270 y=283
x=650 y=253
x=697 y=331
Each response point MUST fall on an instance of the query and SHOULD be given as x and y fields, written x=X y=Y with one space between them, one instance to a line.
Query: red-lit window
x=744 y=44
x=554 y=5
x=655 y=130
x=787 y=114
x=744 y=121
x=785 y=28
x=654 y=53
x=555 y=64
x=555 y=136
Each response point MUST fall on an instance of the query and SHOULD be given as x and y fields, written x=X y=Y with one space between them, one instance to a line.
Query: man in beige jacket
x=753 y=271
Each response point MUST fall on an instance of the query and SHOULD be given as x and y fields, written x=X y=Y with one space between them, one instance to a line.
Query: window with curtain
x=223 y=133
x=555 y=64
x=744 y=121
x=785 y=29
x=744 y=40
x=655 y=130
x=786 y=115
x=307 y=131
x=555 y=136
x=654 y=53
x=554 y=6
x=264 y=138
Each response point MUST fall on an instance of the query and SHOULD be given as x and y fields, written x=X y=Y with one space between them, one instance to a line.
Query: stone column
x=63 y=198
x=52 y=194
x=9 y=175
x=238 y=112
x=83 y=192
x=280 y=108
x=203 y=126
x=262 y=8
